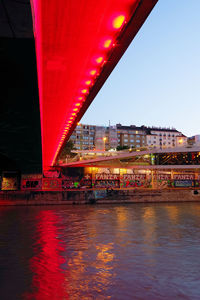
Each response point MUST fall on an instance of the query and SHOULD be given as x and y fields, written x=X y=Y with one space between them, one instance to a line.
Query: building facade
x=92 y=137
x=131 y=136
x=162 y=138
x=83 y=137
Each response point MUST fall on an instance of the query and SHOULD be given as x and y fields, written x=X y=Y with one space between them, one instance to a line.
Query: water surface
x=136 y=251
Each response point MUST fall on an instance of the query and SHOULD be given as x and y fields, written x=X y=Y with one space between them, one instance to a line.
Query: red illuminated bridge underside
x=78 y=44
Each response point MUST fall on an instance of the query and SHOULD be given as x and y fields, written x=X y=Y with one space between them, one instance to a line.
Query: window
x=125 y=140
x=137 y=141
x=131 y=141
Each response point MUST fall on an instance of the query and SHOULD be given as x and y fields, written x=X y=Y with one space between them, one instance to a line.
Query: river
x=135 y=251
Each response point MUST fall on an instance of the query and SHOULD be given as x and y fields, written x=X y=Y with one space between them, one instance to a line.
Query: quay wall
x=98 y=197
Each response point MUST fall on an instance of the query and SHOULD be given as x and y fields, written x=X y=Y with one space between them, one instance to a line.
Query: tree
x=67 y=150
x=119 y=148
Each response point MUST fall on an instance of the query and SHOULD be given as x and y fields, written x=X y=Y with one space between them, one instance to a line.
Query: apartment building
x=161 y=138
x=90 y=137
x=131 y=136
x=83 y=137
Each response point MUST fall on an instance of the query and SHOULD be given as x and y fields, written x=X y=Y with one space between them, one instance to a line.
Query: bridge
x=77 y=45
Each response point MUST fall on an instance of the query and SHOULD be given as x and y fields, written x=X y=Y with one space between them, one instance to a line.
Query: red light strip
x=69 y=62
x=117 y=23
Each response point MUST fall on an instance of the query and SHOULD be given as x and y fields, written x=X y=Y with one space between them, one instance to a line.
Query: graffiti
x=184 y=176
x=133 y=180
x=51 y=174
x=9 y=184
x=183 y=183
x=28 y=184
x=107 y=183
x=107 y=177
x=54 y=184
x=134 y=177
x=70 y=184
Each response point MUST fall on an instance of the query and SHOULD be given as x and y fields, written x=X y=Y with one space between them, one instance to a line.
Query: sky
x=157 y=81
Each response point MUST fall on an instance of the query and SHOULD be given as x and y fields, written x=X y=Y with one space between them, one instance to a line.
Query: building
x=164 y=138
x=83 y=137
x=90 y=137
x=131 y=136
x=194 y=140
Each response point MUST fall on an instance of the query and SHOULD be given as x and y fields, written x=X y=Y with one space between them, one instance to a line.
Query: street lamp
x=104 y=140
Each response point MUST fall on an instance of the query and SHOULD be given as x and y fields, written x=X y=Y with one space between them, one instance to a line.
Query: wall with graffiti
x=9 y=181
x=106 y=181
x=31 y=182
x=134 y=180
x=57 y=181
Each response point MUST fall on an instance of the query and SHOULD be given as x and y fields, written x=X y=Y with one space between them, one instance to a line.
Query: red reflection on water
x=48 y=277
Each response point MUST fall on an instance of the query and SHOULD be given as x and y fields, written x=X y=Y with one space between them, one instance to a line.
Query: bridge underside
x=78 y=44
x=20 y=134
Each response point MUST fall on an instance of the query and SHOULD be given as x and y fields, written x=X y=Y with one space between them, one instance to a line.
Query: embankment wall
x=92 y=197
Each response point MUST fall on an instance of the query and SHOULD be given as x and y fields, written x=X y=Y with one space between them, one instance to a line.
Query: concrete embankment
x=98 y=196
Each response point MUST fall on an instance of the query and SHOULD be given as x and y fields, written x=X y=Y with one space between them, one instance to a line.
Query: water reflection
x=140 y=251
x=48 y=276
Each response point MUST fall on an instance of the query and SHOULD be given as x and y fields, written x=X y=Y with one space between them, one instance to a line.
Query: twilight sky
x=157 y=81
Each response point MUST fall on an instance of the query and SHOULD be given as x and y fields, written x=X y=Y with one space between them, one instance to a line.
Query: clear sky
x=157 y=81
